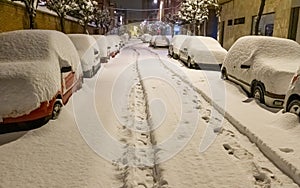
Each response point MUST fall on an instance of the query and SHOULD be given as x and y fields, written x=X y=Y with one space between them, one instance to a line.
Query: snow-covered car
x=89 y=53
x=175 y=45
x=263 y=66
x=102 y=45
x=152 y=40
x=292 y=97
x=125 y=37
x=146 y=38
x=39 y=71
x=113 y=45
x=160 y=41
x=202 y=52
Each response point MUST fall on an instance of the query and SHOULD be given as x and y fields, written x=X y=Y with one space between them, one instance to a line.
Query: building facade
x=237 y=18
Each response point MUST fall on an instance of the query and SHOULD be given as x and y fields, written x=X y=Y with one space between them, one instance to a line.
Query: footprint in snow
x=286 y=150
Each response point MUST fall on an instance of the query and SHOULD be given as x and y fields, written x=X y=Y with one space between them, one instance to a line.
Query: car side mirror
x=66 y=69
x=96 y=52
x=245 y=66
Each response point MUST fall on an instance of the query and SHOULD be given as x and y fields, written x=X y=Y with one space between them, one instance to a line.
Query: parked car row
x=41 y=69
x=263 y=66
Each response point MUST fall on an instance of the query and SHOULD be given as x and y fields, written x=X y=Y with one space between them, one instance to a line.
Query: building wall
x=234 y=9
x=14 y=17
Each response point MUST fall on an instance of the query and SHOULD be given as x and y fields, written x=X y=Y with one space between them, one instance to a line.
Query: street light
x=155 y=1
x=160 y=9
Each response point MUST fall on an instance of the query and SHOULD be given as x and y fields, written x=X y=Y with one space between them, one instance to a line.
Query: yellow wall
x=249 y=8
x=13 y=17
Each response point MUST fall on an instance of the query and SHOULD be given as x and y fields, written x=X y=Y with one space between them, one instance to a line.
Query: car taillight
x=295 y=78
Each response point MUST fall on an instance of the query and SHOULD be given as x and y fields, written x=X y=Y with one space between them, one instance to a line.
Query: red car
x=39 y=71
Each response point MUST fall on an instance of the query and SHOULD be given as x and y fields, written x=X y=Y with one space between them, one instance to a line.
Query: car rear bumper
x=44 y=111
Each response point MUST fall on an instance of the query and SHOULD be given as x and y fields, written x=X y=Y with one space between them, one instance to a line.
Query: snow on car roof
x=30 y=62
x=279 y=53
x=102 y=44
x=82 y=41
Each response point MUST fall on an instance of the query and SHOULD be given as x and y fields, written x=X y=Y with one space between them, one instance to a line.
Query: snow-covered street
x=145 y=120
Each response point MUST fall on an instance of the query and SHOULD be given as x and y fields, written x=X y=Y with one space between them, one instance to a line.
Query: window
x=229 y=22
x=238 y=21
x=266 y=24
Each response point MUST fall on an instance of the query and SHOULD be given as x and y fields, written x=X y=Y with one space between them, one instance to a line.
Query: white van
x=88 y=52
x=102 y=45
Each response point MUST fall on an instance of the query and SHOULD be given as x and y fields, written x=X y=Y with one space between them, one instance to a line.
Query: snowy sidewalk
x=276 y=134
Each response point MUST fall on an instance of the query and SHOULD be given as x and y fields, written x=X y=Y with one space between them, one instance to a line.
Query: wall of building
x=235 y=9
x=13 y=17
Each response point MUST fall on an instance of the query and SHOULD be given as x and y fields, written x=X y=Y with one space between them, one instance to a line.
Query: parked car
x=39 y=71
x=146 y=38
x=292 y=98
x=151 y=43
x=113 y=45
x=202 y=52
x=102 y=45
x=89 y=53
x=160 y=41
x=263 y=66
x=175 y=45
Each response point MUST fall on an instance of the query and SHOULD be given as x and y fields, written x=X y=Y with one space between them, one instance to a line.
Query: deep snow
x=108 y=114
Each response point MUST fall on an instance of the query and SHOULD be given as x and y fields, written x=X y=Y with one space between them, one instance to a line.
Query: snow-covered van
x=39 y=71
x=102 y=45
x=88 y=52
x=202 y=52
x=263 y=66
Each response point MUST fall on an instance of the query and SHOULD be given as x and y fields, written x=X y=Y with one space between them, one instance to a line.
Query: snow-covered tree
x=84 y=11
x=196 y=11
x=102 y=18
x=31 y=6
x=61 y=8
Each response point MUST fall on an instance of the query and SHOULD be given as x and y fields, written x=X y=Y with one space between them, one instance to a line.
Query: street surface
x=137 y=123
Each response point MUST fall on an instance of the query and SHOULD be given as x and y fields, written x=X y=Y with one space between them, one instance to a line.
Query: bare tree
x=260 y=12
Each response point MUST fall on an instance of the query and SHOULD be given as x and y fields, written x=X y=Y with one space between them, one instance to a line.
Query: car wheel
x=56 y=109
x=294 y=107
x=224 y=75
x=258 y=93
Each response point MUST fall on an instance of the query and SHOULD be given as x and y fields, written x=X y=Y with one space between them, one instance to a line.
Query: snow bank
x=274 y=61
x=30 y=64
x=87 y=49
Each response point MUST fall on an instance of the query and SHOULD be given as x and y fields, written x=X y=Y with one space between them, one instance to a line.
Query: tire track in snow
x=138 y=168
